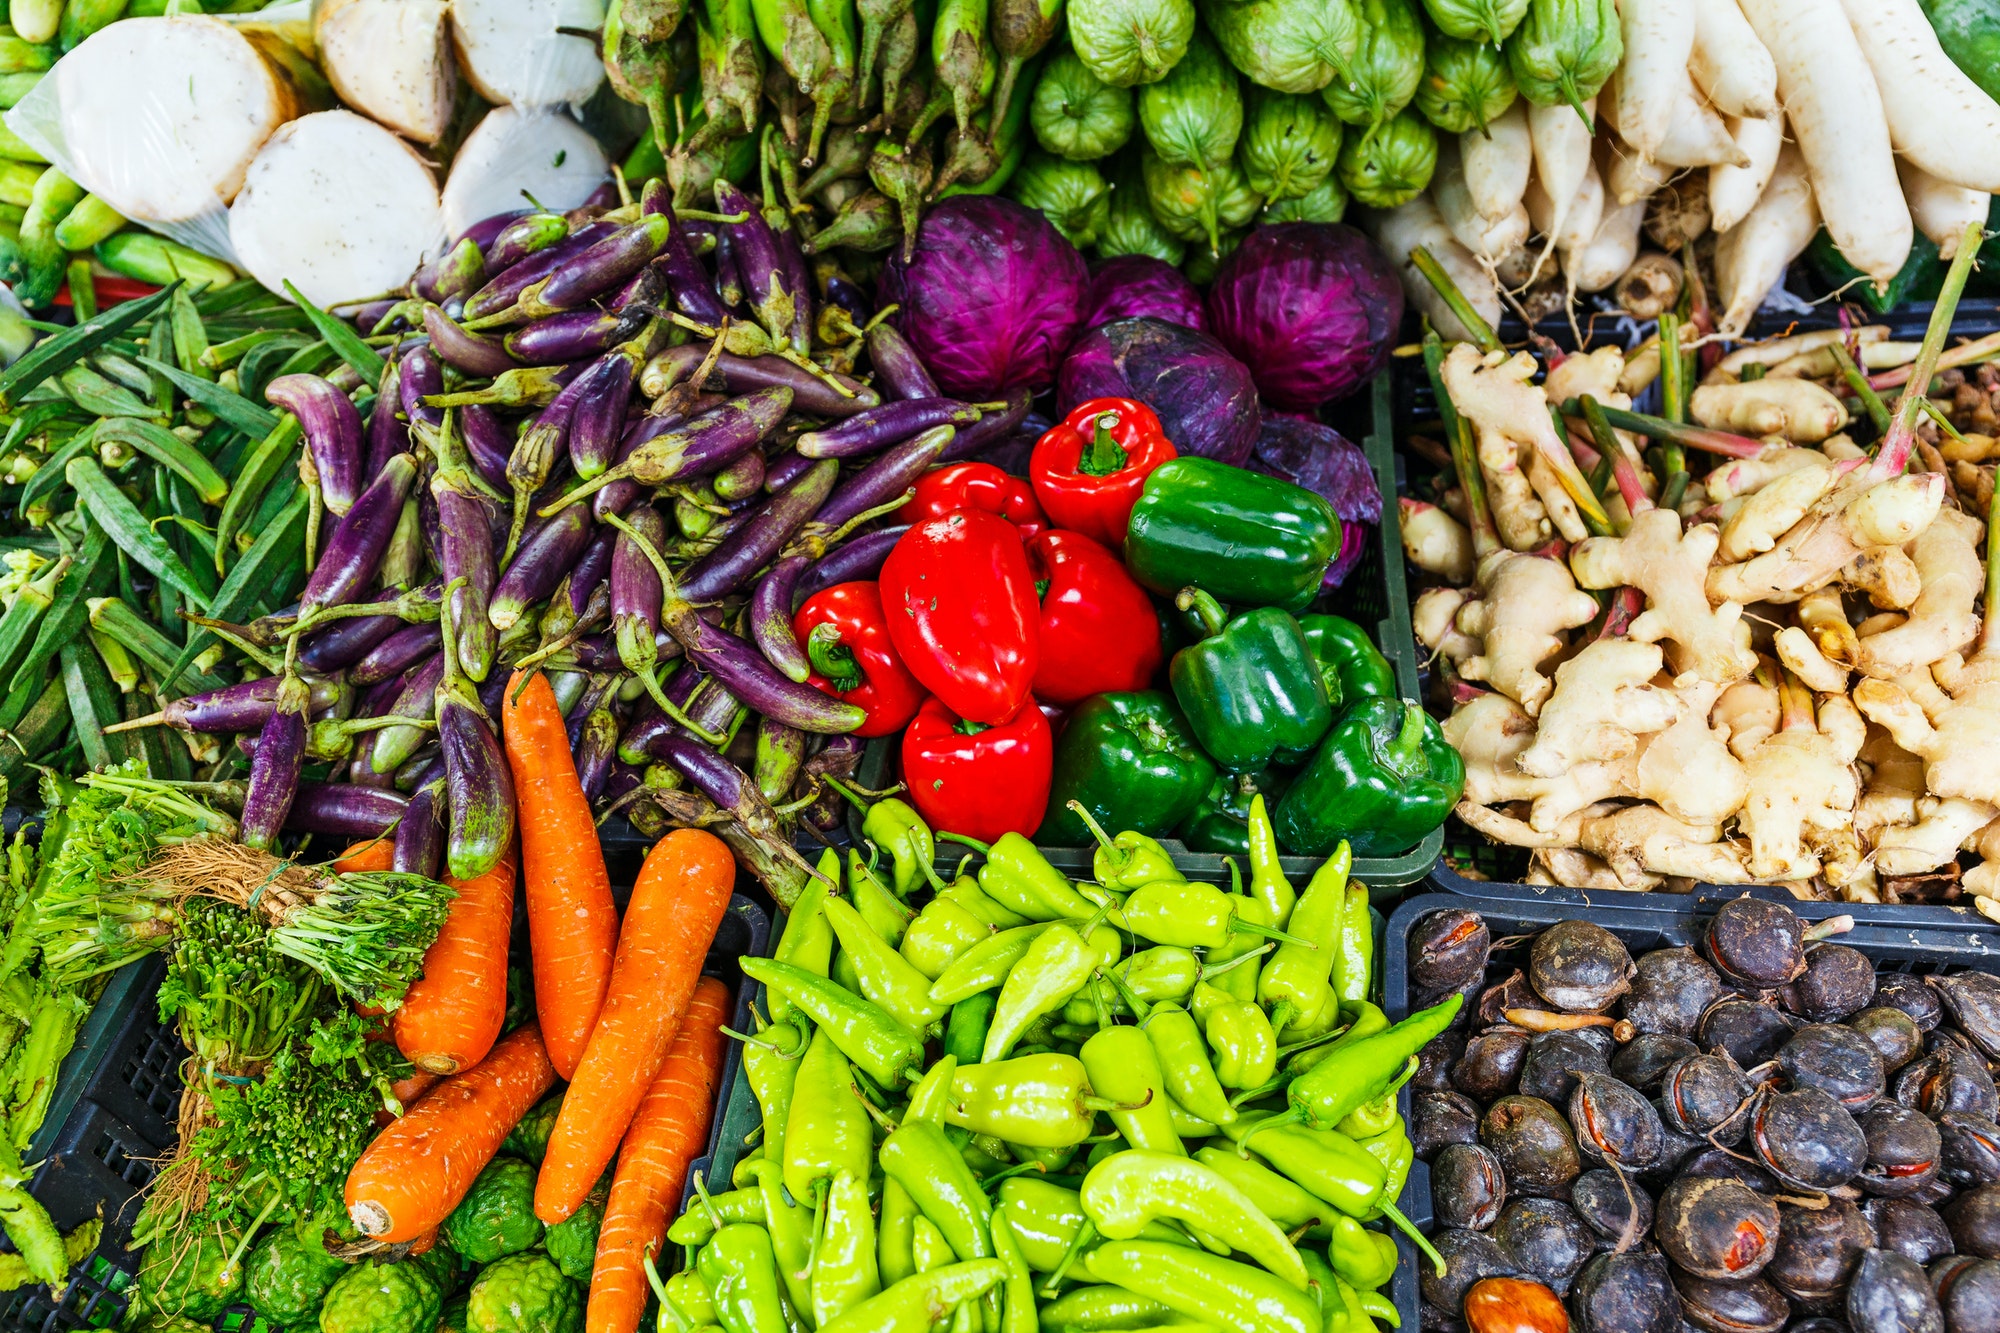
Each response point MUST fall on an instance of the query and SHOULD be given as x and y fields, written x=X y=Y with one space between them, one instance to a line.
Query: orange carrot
x=417 y=1169
x=572 y=924
x=453 y=1013
x=682 y=892
x=375 y=854
x=669 y=1131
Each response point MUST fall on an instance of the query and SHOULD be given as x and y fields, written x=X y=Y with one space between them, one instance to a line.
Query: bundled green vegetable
x=1387 y=64
x=1392 y=166
x=1477 y=20
x=1127 y=42
x=1072 y=195
x=1076 y=114
x=1129 y=225
x=1564 y=50
x=1289 y=145
x=1198 y=204
x=1325 y=202
x=1465 y=85
x=1294 y=46
x=1194 y=115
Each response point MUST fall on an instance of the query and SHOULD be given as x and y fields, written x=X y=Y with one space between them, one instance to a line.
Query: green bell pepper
x=1245 y=537
x=1383 y=779
x=1220 y=821
x=1350 y=664
x=1130 y=759
x=1251 y=690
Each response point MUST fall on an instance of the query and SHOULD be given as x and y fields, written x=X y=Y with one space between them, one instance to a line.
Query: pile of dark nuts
x=1764 y=1134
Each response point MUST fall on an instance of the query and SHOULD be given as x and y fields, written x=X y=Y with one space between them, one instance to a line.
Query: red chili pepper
x=962 y=612
x=977 y=780
x=1089 y=468
x=846 y=635
x=975 y=486
x=1098 y=629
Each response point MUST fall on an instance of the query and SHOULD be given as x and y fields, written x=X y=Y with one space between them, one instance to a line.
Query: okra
x=50 y=474
x=170 y=451
x=255 y=574
x=41 y=726
x=52 y=355
x=227 y=405
x=118 y=663
x=147 y=641
x=118 y=517
x=93 y=704
x=99 y=396
x=88 y=577
x=18 y=626
x=342 y=338
x=190 y=335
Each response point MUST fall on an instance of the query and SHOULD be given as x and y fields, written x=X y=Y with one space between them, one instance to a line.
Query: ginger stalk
x=1671 y=567
x=1521 y=607
x=1894 y=453
x=1726 y=443
x=1624 y=467
x=1601 y=704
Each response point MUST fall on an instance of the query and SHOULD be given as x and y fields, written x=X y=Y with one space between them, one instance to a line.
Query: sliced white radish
x=1497 y=162
x=337 y=206
x=391 y=59
x=1750 y=258
x=1940 y=209
x=513 y=154
x=1659 y=37
x=1733 y=191
x=514 y=53
x=1401 y=230
x=1938 y=118
x=162 y=116
x=1729 y=64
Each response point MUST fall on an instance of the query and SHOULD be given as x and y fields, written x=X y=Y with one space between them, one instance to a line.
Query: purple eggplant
x=692 y=289
x=644 y=291
x=507 y=284
x=600 y=689
x=724 y=783
x=470 y=353
x=783 y=468
x=592 y=568
x=837 y=759
x=466 y=521
x=635 y=600
x=333 y=435
x=486 y=444
x=397 y=653
x=771 y=618
x=520 y=235
x=274 y=773
x=991 y=428
x=598 y=423
x=596 y=750
x=243 y=707
x=571 y=336
x=544 y=556
x=418 y=768
x=752 y=546
x=759 y=266
x=479 y=786
x=844 y=292
x=860 y=558
x=353 y=634
x=388 y=433
x=459 y=271
x=728 y=279
x=700 y=447
x=897 y=364
x=885 y=482
x=417 y=704
x=781 y=754
x=745 y=374
x=420 y=835
x=879 y=427
x=602 y=268
x=360 y=540
x=741 y=479
x=534 y=452
x=421 y=377
x=344 y=810
x=792 y=259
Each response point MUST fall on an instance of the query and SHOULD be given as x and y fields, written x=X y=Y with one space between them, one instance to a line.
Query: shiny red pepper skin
x=962 y=612
x=1089 y=468
x=843 y=627
x=976 y=486
x=1098 y=632
x=979 y=781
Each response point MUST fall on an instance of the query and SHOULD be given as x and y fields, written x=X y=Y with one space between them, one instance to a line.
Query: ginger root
x=1956 y=735
x=1850 y=519
x=1942 y=826
x=1523 y=603
x=1942 y=620
x=1671 y=568
x=1601 y=705
x=1433 y=618
x=1687 y=769
x=1747 y=476
x=1490 y=732
x=1800 y=410
x=1802 y=785
x=1435 y=542
x=1638 y=842
x=1508 y=414
x=1769 y=512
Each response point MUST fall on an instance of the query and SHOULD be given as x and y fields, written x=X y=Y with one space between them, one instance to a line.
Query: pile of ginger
x=1781 y=674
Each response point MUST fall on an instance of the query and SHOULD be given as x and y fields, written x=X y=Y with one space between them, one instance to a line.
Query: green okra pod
x=169 y=451
x=117 y=516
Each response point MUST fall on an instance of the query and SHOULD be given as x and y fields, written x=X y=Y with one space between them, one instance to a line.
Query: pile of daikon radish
x=1758 y=121
x=1784 y=675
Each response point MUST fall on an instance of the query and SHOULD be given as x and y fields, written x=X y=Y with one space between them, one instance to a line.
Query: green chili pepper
x=1194 y=916
x=915 y=1303
x=1376 y=1117
x=1183 y=1054
x=1383 y=779
x=866 y=1033
x=742 y=1276
x=1268 y=884
x=693 y=1227
x=1123 y=1067
x=1020 y=878
x=1129 y=1189
x=1289 y=1205
x=690 y=1298
x=807 y=942
x=894 y=1237
x=1054 y=968
x=885 y=913
x=1041 y=1101
x=1017 y=1297
x=932 y=1094
x=943 y=932
x=885 y=977
x=1365 y=1258
x=1216 y=1291
x=844 y=1271
x=1354 y=957
x=897 y=828
x=1245 y=1046
x=1331 y=1166
x=928 y=1247
x=771 y=1062
x=790 y=1228
x=1129 y=860
x=1392 y=1149
x=1048 y=1219
x=1102 y=1308
x=923 y=1161
x=1359 y=1072
x=965 y=1030
x=985 y=965
x=1296 y=984
x=828 y=1128
x=965 y=891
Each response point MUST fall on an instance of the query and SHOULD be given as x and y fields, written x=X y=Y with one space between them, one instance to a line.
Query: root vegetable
x=1698 y=137
x=1942 y=619
x=1746 y=476
x=1933 y=840
x=1434 y=620
x=1748 y=711
x=1887 y=577
x=514 y=53
x=1734 y=190
x=1488 y=238
x=1627 y=176
x=1436 y=542
x=1562 y=163
x=1730 y=66
x=1650 y=286
x=1576 y=868
x=1687 y=769
x=1830 y=97
x=1497 y=162
x=1642 y=367
x=1677 y=214
x=1401 y=230
x=1659 y=38
x=1602 y=702
x=1850 y=519
x=391 y=60
x=1490 y=732
x=1638 y=842
x=1957 y=736
x=1610 y=252
x=1567 y=226
x=1773 y=352
x=337 y=206
x=1802 y=411
x=1508 y=414
x=1671 y=567
x=162 y=116
x=512 y=154
x=1802 y=786
x=1594 y=373
x=1751 y=257
x=1938 y=117
x=1521 y=607
x=1941 y=209
x=1770 y=511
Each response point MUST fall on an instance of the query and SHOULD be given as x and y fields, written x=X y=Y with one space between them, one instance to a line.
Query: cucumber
x=1969 y=31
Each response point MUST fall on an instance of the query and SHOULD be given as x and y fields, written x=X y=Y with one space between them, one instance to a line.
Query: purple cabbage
x=990 y=297
x=1205 y=398
x=1128 y=286
x=1326 y=463
x=1313 y=306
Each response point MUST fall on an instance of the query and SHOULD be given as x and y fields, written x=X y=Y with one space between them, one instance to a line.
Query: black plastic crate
x=1666 y=921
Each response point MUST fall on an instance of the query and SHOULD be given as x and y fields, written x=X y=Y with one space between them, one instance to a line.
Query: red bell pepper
x=974 y=486
x=847 y=637
x=962 y=612
x=977 y=780
x=1098 y=629
x=1089 y=468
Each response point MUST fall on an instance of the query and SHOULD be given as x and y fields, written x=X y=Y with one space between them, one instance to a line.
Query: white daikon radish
x=1571 y=227
x=1401 y=230
x=1698 y=136
x=1941 y=210
x=391 y=59
x=1938 y=118
x=1750 y=258
x=1659 y=38
x=514 y=54
x=513 y=154
x=1729 y=64
x=1562 y=161
x=1733 y=191
x=1627 y=176
x=337 y=206
x=1490 y=239
x=162 y=116
x=1610 y=252
x=1831 y=101
x=1497 y=162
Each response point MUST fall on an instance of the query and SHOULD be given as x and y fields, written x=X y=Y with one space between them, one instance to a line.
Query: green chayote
x=1465 y=85
x=1198 y=204
x=1392 y=166
x=1077 y=115
x=1289 y=144
x=1125 y=42
x=1386 y=67
x=1565 y=50
x=1294 y=46
x=1195 y=113
x=1477 y=20
x=1129 y=226
x=1073 y=196
x=1326 y=203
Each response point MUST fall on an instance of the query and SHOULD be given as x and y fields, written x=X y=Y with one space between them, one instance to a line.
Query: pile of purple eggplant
x=618 y=445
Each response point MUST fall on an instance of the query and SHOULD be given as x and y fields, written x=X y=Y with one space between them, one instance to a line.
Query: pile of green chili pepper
x=1155 y=1102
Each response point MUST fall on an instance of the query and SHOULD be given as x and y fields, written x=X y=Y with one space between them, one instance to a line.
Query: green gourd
x=1293 y=46
x=1564 y=50
x=1465 y=85
x=1077 y=115
x=1073 y=196
x=1127 y=42
x=1289 y=144
x=1477 y=20
x=1198 y=204
x=1387 y=64
x=1392 y=166
x=1129 y=225
x=1194 y=115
